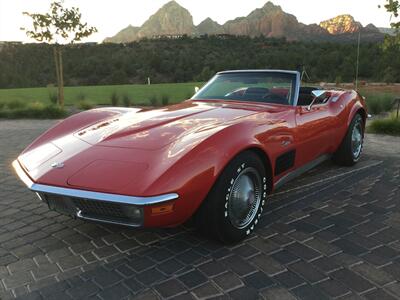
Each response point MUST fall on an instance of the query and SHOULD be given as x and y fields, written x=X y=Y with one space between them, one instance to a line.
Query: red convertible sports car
x=215 y=157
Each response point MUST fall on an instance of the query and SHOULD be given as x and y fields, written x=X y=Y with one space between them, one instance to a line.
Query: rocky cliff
x=269 y=20
x=341 y=24
x=126 y=35
x=171 y=19
x=210 y=27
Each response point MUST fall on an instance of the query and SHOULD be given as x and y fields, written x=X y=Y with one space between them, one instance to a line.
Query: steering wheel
x=256 y=91
x=236 y=93
x=275 y=98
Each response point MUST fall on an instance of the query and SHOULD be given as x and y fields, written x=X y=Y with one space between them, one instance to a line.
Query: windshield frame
x=295 y=88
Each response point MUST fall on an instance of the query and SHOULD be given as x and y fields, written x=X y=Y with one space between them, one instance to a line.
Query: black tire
x=216 y=214
x=345 y=155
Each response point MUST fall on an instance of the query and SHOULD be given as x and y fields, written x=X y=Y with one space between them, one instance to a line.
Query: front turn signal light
x=162 y=210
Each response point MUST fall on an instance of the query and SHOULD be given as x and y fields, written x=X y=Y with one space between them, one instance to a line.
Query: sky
x=112 y=16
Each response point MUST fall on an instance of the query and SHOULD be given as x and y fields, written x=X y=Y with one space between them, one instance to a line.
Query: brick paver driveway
x=331 y=234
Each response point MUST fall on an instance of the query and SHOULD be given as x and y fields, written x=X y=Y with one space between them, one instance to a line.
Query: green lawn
x=378 y=101
x=140 y=94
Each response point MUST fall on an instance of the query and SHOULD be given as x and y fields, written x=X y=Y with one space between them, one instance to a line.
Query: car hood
x=128 y=150
x=155 y=129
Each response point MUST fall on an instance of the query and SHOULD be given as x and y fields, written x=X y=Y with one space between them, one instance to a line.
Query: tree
x=393 y=42
x=59 y=26
x=389 y=75
x=393 y=7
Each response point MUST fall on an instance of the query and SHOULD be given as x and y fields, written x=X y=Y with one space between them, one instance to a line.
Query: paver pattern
x=334 y=233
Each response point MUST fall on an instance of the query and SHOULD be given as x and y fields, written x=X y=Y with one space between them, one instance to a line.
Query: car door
x=313 y=131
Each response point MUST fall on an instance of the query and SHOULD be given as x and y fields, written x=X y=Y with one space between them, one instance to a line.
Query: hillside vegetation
x=190 y=60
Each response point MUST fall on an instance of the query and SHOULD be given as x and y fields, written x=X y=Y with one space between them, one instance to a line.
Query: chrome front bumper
x=93 y=206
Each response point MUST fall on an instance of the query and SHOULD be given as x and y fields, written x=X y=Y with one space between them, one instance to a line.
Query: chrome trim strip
x=79 y=215
x=22 y=174
x=297 y=89
x=75 y=193
x=296 y=173
x=259 y=71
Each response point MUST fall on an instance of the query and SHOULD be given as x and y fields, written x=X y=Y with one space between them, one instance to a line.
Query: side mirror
x=317 y=94
x=196 y=89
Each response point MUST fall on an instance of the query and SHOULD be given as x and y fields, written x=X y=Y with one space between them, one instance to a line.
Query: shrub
x=35 y=110
x=53 y=97
x=126 y=99
x=153 y=101
x=2 y=105
x=338 y=80
x=81 y=97
x=389 y=75
x=165 y=100
x=379 y=102
x=15 y=105
x=374 y=106
x=386 y=126
x=205 y=74
x=85 y=105
x=114 y=99
x=51 y=112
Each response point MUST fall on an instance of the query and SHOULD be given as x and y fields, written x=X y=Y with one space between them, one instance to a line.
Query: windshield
x=267 y=87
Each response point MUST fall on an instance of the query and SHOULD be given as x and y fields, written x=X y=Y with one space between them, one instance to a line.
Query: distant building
x=225 y=36
x=10 y=43
x=79 y=45
x=168 y=36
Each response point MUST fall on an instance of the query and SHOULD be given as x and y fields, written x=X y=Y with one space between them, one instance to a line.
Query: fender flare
x=357 y=108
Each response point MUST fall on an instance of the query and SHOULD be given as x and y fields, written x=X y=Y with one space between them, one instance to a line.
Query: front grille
x=60 y=204
x=99 y=208
x=102 y=211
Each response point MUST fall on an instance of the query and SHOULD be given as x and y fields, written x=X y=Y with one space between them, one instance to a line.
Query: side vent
x=285 y=162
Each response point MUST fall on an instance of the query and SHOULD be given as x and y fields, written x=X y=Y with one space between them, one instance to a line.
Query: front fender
x=196 y=172
x=357 y=104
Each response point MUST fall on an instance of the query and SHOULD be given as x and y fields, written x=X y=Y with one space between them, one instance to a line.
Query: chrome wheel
x=245 y=198
x=357 y=139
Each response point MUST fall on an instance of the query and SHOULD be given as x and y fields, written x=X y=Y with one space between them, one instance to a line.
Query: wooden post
x=61 y=78
x=55 y=52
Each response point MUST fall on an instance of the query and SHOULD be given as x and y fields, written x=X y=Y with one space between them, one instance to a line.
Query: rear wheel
x=349 y=152
x=235 y=204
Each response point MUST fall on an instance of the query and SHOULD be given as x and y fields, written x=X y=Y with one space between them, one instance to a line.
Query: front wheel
x=349 y=152
x=234 y=206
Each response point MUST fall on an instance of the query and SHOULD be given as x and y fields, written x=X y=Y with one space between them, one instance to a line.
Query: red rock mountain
x=171 y=19
x=341 y=24
x=210 y=27
x=269 y=20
